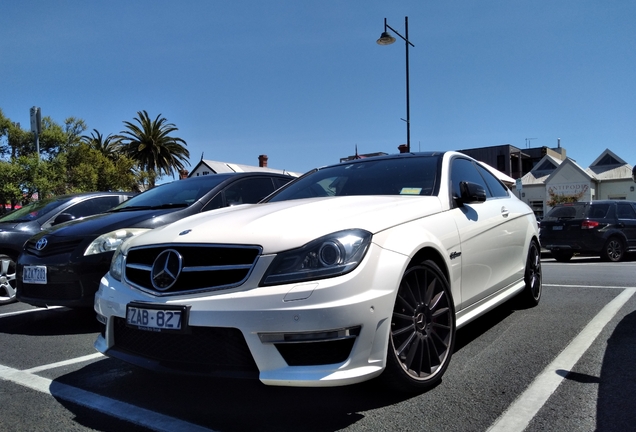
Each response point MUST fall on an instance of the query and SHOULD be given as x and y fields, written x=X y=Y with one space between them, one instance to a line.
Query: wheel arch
x=430 y=253
x=9 y=251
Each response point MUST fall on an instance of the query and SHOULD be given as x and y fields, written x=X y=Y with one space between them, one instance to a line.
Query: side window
x=465 y=170
x=496 y=188
x=625 y=211
x=92 y=206
x=215 y=203
x=279 y=182
x=248 y=191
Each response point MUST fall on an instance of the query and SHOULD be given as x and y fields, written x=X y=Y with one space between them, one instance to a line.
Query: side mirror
x=471 y=193
x=63 y=217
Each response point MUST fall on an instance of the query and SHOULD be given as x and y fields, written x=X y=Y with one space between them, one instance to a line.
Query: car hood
x=9 y=226
x=106 y=222
x=285 y=225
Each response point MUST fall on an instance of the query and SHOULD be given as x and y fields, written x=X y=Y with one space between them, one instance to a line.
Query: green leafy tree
x=33 y=176
x=13 y=140
x=5 y=125
x=85 y=169
x=10 y=192
x=150 y=144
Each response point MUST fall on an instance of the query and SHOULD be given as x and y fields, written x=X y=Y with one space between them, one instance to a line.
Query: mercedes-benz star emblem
x=41 y=244
x=166 y=269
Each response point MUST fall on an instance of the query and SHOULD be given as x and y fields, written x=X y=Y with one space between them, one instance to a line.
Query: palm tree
x=108 y=146
x=150 y=145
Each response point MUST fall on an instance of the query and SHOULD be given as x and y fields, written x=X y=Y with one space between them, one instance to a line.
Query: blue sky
x=304 y=81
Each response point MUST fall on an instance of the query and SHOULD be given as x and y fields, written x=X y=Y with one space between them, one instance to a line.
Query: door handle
x=504 y=212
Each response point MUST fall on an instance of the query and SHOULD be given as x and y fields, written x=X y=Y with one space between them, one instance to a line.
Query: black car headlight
x=332 y=255
x=110 y=241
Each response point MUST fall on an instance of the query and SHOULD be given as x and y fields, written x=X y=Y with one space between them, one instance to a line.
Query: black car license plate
x=157 y=318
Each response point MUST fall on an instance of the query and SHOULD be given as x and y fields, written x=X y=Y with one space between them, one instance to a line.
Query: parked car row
x=353 y=271
x=63 y=265
x=19 y=225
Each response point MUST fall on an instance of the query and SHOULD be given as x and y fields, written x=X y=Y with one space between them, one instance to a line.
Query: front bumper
x=320 y=333
x=71 y=281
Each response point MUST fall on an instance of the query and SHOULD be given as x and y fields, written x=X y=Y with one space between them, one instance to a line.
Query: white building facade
x=609 y=177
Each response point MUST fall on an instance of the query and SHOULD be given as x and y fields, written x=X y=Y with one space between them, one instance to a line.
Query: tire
x=422 y=330
x=7 y=279
x=562 y=256
x=531 y=294
x=614 y=250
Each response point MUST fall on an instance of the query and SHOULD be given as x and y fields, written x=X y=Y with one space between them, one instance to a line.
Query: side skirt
x=468 y=314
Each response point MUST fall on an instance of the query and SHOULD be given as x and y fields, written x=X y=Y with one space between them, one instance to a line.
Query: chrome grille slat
x=205 y=267
x=216 y=268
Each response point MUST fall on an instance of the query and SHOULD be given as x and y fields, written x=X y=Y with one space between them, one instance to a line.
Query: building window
x=205 y=173
x=501 y=163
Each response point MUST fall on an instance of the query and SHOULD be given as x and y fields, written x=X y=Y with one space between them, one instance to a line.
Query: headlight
x=110 y=241
x=117 y=264
x=332 y=255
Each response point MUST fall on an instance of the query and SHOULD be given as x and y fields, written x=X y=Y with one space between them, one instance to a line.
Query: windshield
x=396 y=176
x=180 y=193
x=34 y=210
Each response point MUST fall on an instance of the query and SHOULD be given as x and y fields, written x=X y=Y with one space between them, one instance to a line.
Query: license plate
x=557 y=228
x=34 y=274
x=159 y=318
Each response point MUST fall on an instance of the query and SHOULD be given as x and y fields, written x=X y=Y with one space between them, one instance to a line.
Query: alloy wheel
x=7 y=279
x=423 y=324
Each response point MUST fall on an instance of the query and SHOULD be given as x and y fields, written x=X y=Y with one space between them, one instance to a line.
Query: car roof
x=224 y=176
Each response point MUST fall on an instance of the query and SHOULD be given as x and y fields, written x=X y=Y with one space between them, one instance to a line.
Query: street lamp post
x=387 y=39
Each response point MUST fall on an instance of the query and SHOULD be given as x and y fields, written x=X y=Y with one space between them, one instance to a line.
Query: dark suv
x=606 y=228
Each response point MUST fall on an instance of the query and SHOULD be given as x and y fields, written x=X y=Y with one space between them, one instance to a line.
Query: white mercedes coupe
x=354 y=271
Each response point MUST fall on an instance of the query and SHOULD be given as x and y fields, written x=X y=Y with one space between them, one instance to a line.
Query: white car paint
x=482 y=247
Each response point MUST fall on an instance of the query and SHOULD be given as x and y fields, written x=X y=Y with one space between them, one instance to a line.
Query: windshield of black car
x=34 y=210
x=395 y=176
x=179 y=193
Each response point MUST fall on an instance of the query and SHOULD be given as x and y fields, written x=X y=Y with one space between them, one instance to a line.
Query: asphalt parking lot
x=564 y=365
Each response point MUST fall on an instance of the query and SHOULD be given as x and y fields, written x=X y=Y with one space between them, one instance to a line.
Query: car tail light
x=588 y=224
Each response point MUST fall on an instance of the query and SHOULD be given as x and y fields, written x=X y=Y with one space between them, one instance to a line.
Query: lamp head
x=385 y=39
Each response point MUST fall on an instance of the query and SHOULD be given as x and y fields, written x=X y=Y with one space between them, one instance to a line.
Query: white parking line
x=64 y=363
x=522 y=411
x=29 y=311
x=111 y=407
x=586 y=286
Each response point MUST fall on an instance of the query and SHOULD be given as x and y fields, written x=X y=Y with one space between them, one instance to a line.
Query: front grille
x=52 y=247
x=212 y=350
x=203 y=267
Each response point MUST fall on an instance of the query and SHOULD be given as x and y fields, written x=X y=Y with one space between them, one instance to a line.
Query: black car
x=19 y=225
x=606 y=228
x=63 y=266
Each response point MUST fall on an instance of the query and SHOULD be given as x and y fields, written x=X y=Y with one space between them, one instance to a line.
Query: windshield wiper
x=169 y=206
x=129 y=208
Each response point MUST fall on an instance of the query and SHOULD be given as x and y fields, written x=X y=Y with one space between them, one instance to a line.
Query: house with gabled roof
x=609 y=177
x=611 y=173
x=207 y=167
